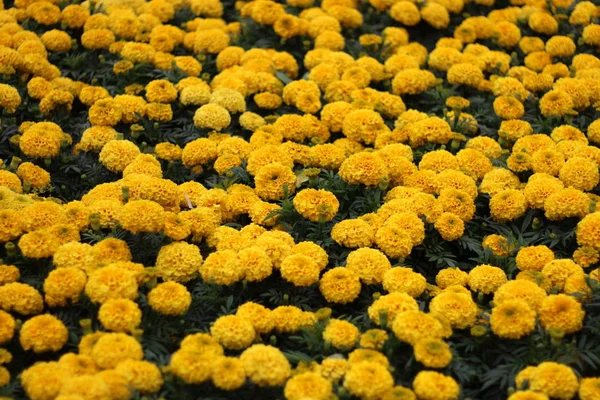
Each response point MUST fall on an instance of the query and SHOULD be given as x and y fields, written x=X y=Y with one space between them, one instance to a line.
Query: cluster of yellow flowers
x=283 y=119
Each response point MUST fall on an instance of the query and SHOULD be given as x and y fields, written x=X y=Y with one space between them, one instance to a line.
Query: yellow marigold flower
x=577 y=89
x=265 y=365
x=300 y=270
x=513 y=319
x=43 y=379
x=168 y=151
x=333 y=114
x=198 y=152
x=399 y=62
x=451 y=276
x=555 y=380
x=399 y=392
x=557 y=271
x=113 y=348
x=228 y=373
x=586 y=257
x=450 y=226
x=95 y=137
x=222 y=268
x=315 y=205
x=583 y=13
x=539 y=188
x=274 y=180
x=64 y=286
x=443 y=58
x=5 y=376
x=85 y=385
x=556 y=103
x=542 y=22
x=78 y=364
x=412 y=81
x=210 y=41
x=579 y=173
x=9 y=274
x=363 y=168
x=259 y=316
x=56 y=99
x=340 y=285
x=229 y=99
x=341 y=334
x=457 y=202
x=36 y=176
x=116 y=155
x=507 y=107
x=8 y=327
x=133 y=107
x=122 y=67
x=120 y=315
x=561 y=46
x=142 y=216
x=170 y=298
x=309 y=384
x=369 y=264
x=43 y=333
x=438 y=161
x=111 y=282
x=486 y=279
x=507 y=34
x=75 y=16
x=212 y=116
x=588 y=230
x=95 y=39
x=508 y=205
x=353 y=233
x=391 y=305
x=105 y=112
x=368 y=380
x=431 y=385
x=160 y=91
x=406 y=13
x=591 y=35
x=9 y=98
x=405 y=280
x=373 y=338
x=363 y=126
x=514 y=129
x=260 y=212
x=566 y=203
x=38 y=244
x=561 y=312
x=368 y=355
x=42 y=140
x=465 y=74
x=111 y=250
x=524 y=290
x=191 y=366
x=255 y=263
x=268 y=101
x=290 y=319
x=394 y=241
x=588 y=388
x=333 y=369
x=458 y=308
x=498 y=244
x=432 y=353
x=142 y=376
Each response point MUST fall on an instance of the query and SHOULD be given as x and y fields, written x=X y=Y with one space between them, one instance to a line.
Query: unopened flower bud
x=11 y=249
x=478 y=331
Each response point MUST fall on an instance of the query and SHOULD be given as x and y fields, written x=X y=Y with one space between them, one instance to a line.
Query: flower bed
x=310 y=200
